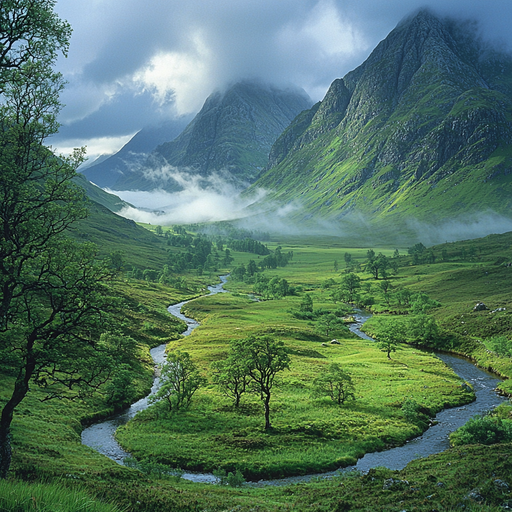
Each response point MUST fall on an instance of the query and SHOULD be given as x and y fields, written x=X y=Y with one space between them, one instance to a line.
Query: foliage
x=262 y=358
x=335 y=383
x=180 y=379
x=235 y=479
x=18 y=496
x=499 y=344
x=231 y=377
x=330 y=323
x=388 y=340
x=423 y=330
x=154 y=469
x=486 y=429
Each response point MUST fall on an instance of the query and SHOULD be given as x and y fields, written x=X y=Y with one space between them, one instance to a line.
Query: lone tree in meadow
x=389 y=338
x=180 y=379
x=262 y=358
x=231 y=377
x=335 y=383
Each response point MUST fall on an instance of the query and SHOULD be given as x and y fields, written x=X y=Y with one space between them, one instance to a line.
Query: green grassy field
x=309 y=434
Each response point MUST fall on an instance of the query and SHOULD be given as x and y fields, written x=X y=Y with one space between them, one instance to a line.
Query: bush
x=235 y=479
x=483 y=430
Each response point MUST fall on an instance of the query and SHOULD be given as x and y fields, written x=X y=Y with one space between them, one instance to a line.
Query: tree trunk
x=19 y=392
x=268 y=426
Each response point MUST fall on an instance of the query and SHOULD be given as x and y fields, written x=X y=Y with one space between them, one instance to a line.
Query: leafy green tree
x=263 y=358
x=231 y=376
x=350 y=284
x=54 y=298
x=389 y=338
x=180 y=379
x=306 y=304
x=335 y=266
x=159 y=231
x=423 y=330
x=378 y=265
x=335 y=383
x=329 y=323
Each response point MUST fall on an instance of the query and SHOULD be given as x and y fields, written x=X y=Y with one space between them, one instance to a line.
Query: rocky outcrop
x=431 y=106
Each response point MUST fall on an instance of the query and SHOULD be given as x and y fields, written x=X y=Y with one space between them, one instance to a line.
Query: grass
x=309 y=435
x=24 y=497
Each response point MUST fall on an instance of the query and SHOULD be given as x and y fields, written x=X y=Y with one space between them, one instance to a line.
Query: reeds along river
x=101 y=435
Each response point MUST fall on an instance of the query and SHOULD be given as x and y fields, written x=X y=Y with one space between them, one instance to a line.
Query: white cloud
x=201 y=200
x=95 y=146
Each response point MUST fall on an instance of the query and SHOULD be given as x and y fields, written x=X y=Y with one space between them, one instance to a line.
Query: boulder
x=480 y=306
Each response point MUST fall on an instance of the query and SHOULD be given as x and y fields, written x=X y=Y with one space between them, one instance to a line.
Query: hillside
x=107 y=172
x=422 y=129
x=231 y=136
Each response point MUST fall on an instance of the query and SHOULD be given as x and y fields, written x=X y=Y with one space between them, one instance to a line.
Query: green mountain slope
x=231 y=135
x=110 y=201
x=110 y=232
x=422 y=129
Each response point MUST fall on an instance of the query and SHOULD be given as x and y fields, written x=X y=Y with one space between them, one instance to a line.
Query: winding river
x=101 y=435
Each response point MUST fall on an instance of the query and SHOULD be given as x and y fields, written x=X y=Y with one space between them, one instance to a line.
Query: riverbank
x=309 y=436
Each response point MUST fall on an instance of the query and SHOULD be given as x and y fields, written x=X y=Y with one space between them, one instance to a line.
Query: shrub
x=483 y=430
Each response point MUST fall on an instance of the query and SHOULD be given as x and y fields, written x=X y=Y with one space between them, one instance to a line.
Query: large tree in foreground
x=262 y=358
x=53 y=297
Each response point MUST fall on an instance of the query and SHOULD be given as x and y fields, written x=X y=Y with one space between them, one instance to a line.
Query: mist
x=199 y=199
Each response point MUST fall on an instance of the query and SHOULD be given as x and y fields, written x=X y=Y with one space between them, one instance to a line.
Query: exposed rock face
x=429 y=110
x=231 y=135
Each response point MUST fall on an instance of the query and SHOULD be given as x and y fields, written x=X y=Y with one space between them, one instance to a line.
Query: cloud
x=129 y=62
x=200 y=200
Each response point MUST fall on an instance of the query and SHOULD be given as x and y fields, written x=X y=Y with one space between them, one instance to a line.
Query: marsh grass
x=52 y=497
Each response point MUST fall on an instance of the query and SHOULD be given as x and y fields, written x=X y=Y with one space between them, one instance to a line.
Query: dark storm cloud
x=178 y=52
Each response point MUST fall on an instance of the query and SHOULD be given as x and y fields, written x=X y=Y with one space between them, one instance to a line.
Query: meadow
x=309 y=434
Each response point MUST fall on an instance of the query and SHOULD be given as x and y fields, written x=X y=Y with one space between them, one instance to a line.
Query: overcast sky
x=133 y=63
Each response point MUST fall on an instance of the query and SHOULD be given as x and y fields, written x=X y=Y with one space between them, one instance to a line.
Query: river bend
x=434 y=440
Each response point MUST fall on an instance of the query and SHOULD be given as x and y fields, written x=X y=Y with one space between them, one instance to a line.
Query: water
x=101 y=435
x=434 y=440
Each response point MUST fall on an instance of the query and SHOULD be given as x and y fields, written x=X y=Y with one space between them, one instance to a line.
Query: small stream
x=101 y=435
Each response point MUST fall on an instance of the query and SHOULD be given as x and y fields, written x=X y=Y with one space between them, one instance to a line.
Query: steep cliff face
x=423 y=127
x=232 y=135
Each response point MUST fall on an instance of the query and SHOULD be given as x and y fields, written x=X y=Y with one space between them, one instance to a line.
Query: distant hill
x=108 y=171
x=231 y=136
x=110 y=201
x=422 y=129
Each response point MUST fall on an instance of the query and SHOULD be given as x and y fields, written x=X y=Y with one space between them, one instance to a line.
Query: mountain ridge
x=231 y=136
x=431 y=103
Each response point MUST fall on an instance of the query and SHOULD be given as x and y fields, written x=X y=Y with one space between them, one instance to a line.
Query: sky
x=134 y=63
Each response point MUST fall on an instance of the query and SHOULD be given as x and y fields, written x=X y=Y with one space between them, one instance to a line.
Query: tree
x=378 y=265
x=389 y=338
x=231 y=377
x=348 y=258
x=350 y=283
x=263 y=358
x=54 y=299
x=326 y=324
x=335 y=383
x=306 y=304
x=180 y=379
x=335 y=266
x=423 y=330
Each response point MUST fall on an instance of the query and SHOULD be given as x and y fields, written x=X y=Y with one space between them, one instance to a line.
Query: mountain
x=108 y=171
x=231 y=136
x=422 y=129
x=98 y=195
